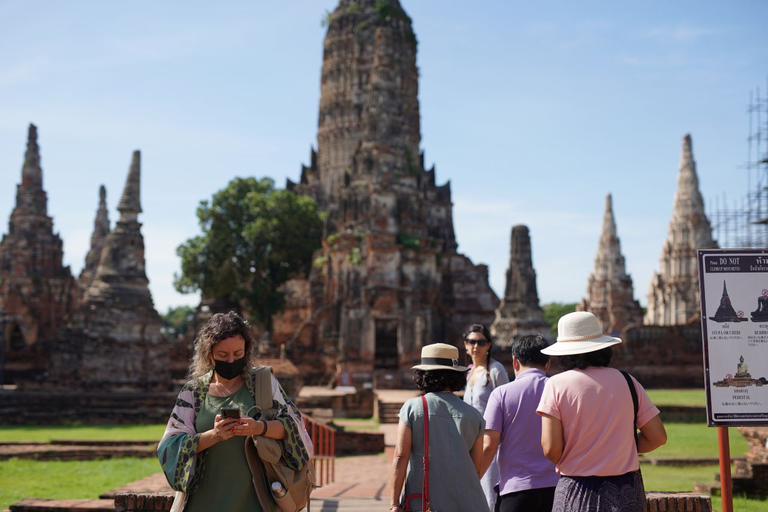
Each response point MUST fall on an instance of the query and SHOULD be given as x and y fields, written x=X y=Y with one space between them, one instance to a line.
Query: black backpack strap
x=633 y=392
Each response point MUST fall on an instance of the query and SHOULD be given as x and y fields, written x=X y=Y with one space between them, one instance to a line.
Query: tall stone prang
x=114 y=341
x=388 y=278
x=98 y=237
x=37 y=291
x=519 y=312
x=610 y=294
x=673 y=298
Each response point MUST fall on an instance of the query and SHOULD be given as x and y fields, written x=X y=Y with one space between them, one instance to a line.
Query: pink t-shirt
x=595 y=408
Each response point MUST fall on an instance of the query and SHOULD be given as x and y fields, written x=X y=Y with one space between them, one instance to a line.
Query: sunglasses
x=479 y=343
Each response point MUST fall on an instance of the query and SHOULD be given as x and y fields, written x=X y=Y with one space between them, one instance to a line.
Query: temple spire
x=673 y=298
x=130 y=203
x=519 y=312
x=610 y=293
x=32 y=173
x=99 y=235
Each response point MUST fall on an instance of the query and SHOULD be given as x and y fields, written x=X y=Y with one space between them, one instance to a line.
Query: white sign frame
x=733 y=282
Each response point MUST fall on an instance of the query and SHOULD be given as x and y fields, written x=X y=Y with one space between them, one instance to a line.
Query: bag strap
x=633 y=392
x=425 y=490
x=263 y=391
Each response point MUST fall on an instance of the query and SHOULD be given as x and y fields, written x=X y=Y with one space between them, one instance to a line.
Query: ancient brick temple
x=113 y=341
x=519 y=312
x=98 y=237
x=673 y=298
x=610 y=294
x=36 y=290
x=388 y=278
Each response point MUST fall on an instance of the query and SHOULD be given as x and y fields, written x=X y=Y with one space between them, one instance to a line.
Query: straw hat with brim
x=440 y=356
x=579 y=333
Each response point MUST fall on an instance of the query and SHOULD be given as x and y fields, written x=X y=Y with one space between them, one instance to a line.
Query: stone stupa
x=389 y=278
x=673 y=297
x=610 y=294
x=519 y=312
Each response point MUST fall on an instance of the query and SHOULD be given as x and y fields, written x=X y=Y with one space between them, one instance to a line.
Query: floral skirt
x=622 y=493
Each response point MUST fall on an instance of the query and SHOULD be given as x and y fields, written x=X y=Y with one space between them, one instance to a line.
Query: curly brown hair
x=220 y=327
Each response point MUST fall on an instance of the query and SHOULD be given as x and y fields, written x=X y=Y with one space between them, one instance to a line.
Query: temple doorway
x=386 y=344
x=15 y=338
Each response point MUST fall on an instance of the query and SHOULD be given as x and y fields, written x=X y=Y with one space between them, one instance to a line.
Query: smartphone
x=230 y=413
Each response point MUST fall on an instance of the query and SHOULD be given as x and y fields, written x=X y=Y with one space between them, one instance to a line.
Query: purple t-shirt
x=511 y=410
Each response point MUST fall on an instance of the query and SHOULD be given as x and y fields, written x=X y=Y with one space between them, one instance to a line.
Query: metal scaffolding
x=744 y=223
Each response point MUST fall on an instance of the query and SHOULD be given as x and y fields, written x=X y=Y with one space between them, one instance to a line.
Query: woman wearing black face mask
x=202 y=453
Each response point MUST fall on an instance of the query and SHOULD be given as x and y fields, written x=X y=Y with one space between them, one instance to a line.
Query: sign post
x=734 y=326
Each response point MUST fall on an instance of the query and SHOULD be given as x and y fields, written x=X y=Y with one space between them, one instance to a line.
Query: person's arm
x=652 y=435
x=477 y=455
x=400 y=464
x=551 y=437
x=221 y=431
x=272 y=429
x=491 y=440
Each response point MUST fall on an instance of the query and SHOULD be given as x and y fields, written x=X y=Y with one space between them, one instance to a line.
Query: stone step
x=349 y=505
x=39 y=505
x=388 y=411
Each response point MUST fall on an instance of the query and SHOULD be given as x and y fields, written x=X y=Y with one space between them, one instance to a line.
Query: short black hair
x=527 y=349
x=583 y=361
x=431 y=381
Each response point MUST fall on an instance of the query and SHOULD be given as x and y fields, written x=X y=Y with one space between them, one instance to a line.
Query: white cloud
x=682 y=33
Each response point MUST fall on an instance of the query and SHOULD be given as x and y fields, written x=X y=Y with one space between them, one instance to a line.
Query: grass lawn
x=21 y=479
x=668 y=478
x=82 y=432
x=689 y=397
x=697 y=440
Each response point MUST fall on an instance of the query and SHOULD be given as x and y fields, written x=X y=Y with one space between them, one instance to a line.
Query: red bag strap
x=425 y=491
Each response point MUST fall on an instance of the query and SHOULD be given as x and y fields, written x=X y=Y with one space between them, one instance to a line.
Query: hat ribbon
x=442 y=361
x=582 y=338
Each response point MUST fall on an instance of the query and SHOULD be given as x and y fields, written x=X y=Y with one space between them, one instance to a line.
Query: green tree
x=254 y=238
x=553 y=311
x=176 y=320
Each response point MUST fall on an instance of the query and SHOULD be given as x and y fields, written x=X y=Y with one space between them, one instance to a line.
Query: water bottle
x=282 y=498
x=278 y=490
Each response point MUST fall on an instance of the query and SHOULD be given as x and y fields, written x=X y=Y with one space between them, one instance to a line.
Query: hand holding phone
x=230 y=413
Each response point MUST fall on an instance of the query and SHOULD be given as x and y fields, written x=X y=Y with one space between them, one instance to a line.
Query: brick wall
x=656 y=502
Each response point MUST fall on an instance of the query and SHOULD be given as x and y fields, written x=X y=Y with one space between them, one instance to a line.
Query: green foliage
x=254 y=238
x=320 y=261
x=333 y=238
x=553 y=311
x=353 y=7
x=44 y=434
x=355 y=256
x=326 y=19
x=409 y=241
x=21 y=478
x=413 y=169
x=176 y=321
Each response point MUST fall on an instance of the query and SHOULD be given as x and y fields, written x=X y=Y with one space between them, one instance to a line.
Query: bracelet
x=265 y=429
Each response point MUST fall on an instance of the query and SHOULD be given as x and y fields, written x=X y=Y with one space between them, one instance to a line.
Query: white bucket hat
x=440 y=356
x=579 y=333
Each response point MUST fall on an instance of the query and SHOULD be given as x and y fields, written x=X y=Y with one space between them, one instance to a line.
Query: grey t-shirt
x=454 y=426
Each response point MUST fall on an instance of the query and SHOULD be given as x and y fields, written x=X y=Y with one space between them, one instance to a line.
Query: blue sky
x=533 y=110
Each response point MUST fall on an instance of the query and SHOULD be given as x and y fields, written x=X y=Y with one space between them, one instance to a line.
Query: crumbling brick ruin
x=389 y=278
x=673 y=298
x=519 y=312
x=610 y=294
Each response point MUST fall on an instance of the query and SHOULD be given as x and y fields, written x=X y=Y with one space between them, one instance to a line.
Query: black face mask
x=229 y=370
